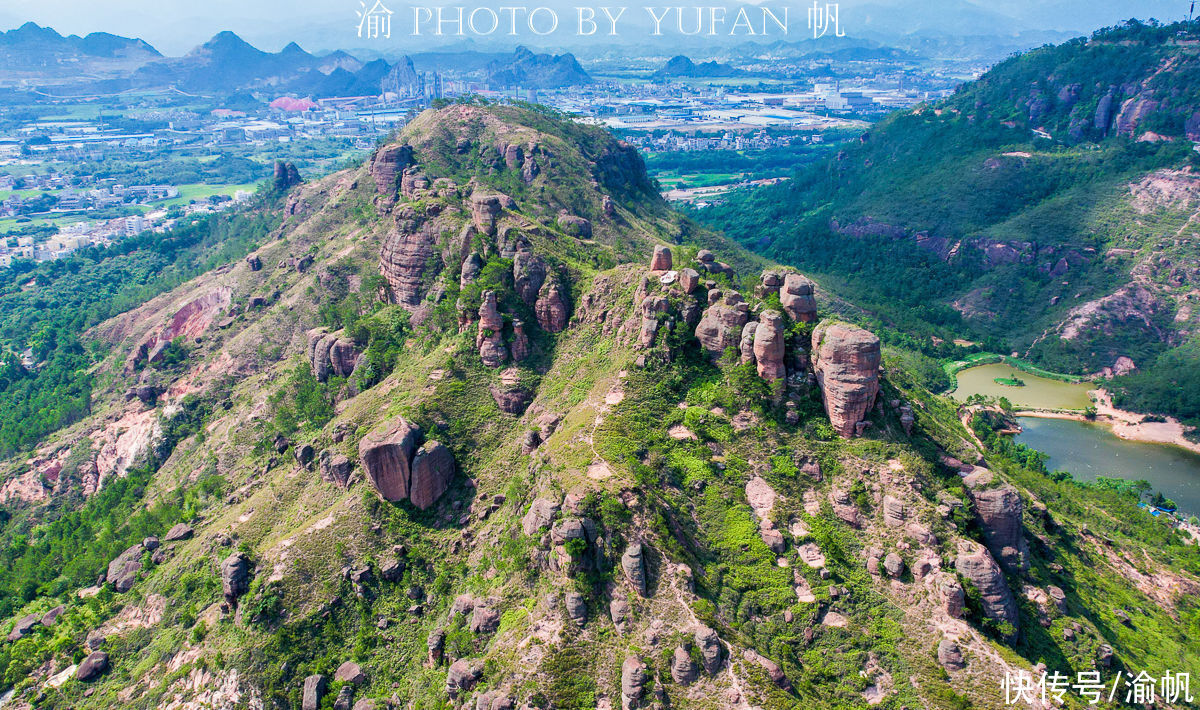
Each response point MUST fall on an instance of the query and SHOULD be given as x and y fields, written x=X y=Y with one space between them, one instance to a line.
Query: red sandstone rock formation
x=651 y=307
x=386 y=455
x=490 y=340
x=846 y=363
x=661 y=261
x=190 y=322
x=529 y=275
x=689 y=279
x=404 y=256
x=977 y=566
x=331 y=355
x=721 y=325
x=999 y=509
x=399 y=470
x=768 y=346
x=386 y=166
x=797 y=298
x=551 y=308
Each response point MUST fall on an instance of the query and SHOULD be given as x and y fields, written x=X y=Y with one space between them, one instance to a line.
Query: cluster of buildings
x=69 y=199
x=102 y=233
x=681 y=142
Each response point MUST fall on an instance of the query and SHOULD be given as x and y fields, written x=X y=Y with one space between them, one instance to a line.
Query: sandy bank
x=1126 y=425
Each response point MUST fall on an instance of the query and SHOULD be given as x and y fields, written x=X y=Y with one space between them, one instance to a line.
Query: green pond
x=1038 y=392
x=1089 y=450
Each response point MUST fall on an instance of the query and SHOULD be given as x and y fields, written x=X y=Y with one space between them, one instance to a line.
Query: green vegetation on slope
x=46 y=308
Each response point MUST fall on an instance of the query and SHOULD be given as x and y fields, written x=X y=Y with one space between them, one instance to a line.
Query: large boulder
x=976 y=565
x=633 y=679
x=634 y=566
x=335 y=468
x=846 y=363
x=314 y=690
x=386 y=455
x=683 y=669
x=950 y=655
x=432 y=470
x=689 y=279
x=462 y=676
x=350 y=672
x=574 y=225
x=331 y=355
x=180 y=531
x=92 y=667
x=797 y=298
x=620 y=613
x=710 y=649
x=123 y=571
x=235 y=577
x=999 y=509
x=576 y=607
x=23 y=627
x=661 y=260
x=721 y=325
x=541 y=514
x=768 y=346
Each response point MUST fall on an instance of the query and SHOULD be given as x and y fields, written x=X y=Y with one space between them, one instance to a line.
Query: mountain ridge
x=483 y=422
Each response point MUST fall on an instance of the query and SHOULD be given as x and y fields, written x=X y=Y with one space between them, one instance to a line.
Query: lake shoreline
x=1124 y=424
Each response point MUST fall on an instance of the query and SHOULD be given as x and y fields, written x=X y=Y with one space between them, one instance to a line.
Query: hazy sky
x=175 y=26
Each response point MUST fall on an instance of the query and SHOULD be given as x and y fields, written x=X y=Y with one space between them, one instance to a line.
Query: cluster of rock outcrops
x=400 y=468
x=331 y=355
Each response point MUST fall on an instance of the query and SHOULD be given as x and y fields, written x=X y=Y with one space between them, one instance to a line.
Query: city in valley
x=98 y=145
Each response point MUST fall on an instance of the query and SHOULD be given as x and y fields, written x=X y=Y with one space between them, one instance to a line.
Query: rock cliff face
x=189 y=322
x=999 y=509
x=529 y=273
x=486 y=209
x=399 y=470
x=977 y=566
x=846 y=363
x=405 y=256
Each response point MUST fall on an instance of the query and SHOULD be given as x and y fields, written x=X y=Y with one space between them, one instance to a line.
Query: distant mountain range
x=227 y=64
x=32 y=48
x=685 y=67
